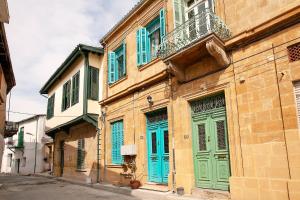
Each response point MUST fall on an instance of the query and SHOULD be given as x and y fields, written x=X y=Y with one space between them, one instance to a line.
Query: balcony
x=200 y=36
x=11 y=128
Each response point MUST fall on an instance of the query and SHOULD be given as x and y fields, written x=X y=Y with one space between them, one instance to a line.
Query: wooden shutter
x=117 y=142
x=21 y=137
x=94 y=82
x=178 y=12
x=111 y=67
x=80 y=154
x=297 y=95
x=124 y=57
x=138 y=47
x=50 y=107
x=162 y=19
x=75 y=88
x=144 y=46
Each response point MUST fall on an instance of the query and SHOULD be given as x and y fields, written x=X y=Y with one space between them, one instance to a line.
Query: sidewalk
x=139 y=193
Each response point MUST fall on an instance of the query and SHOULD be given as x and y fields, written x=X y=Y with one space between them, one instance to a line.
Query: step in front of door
x=155 y=187
x=210 y=194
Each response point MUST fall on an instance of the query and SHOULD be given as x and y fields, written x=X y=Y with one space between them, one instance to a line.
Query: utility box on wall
x=128 y=150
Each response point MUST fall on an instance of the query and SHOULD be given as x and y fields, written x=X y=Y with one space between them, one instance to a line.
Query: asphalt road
x=39 y=188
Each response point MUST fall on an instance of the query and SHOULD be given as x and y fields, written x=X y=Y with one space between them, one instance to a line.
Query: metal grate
x=221 y=135
x=202 y=137
x=294 y=52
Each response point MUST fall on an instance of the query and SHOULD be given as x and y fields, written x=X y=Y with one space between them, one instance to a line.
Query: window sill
x=81 y=170
x=117 y=82
x=114 y=166
x=142 y=67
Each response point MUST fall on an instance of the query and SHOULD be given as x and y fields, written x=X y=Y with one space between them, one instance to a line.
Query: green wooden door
x=210 y=146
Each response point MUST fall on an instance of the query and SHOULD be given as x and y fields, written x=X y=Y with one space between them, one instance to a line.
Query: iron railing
x=191 y=31
x=11 y=128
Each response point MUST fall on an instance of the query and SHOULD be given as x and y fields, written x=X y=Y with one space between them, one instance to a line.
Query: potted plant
x=134 y=183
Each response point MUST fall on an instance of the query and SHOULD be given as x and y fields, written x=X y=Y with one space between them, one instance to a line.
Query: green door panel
x=210 y=145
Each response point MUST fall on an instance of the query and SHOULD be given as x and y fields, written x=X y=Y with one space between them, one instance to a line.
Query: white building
x=26 y=152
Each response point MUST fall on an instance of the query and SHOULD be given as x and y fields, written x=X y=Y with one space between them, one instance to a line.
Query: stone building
x=72 y=114
x=205 y=96
x=7 y=79
x=25 y=152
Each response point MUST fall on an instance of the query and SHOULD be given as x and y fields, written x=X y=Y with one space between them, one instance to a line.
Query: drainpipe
x=98 y=154
x=173 y=135
x=35 y=148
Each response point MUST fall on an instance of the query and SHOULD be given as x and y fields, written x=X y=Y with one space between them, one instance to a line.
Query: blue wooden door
x=158 y=147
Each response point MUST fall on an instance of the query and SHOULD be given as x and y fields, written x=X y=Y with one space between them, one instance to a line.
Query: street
x=37 y=188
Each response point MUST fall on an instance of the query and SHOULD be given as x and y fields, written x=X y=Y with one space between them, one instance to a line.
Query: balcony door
x=196 y=12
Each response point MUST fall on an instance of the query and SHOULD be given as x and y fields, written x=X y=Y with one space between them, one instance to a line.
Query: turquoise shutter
x=124 y=57
x=21 y=137
x=117 y=142
x=144 y=46
x=111 y=67
x=162 y=19
x=138 y=47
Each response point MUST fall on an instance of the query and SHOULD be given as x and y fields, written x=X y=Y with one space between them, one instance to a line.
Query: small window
x=149 y=38
x=9 y=160
x=66 y=96
x=75 y=88
x=117 y=142
x=294 y=52
x=117 y=64
x=81 y=154
x=297 y=96
x=50 y=107
x=93 y=83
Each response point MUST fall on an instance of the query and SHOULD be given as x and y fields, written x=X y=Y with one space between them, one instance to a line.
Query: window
x=9 y=159
x=294 y=52
x=66 y=96
x=81 y=154
x=117 y=142
x=75 y=88
x=93 y=83
x=149 y=38
x=21 y=137
x=117 y=64
x=297 y=95
x=50 y=107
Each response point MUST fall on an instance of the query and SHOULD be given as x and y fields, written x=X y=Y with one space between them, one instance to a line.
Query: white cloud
x=42 y=33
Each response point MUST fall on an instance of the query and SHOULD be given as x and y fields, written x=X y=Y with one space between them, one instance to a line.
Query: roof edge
x=69 y=60
x=126 y=17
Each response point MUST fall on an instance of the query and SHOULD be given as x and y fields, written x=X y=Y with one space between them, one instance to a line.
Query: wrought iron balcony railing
x=11 y=128
x=191 y=31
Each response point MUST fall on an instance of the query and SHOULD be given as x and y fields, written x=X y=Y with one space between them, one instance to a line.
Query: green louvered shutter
x=162 y=19
x=81 y=154
x=138 y=47
x=75 y=88
x=117 y=142
x=21 y=137
x=93 y=83
x=111 y=67
x=144 y=46
x=124 y=57
x=178 y=12
x=50 y=107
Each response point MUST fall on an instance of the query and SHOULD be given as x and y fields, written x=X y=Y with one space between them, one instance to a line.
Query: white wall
x=61 y=117
x=30 y=138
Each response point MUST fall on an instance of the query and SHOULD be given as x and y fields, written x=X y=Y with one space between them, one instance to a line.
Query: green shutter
x=75 y=88
x=111 y=67
x=66 y=96
x=81 y=154
x=50 y=107
x=138 y=47
x=93 y=83
x=144 y=46
x=124 y=57
x=21 y=137
x=117 y=142
x=162 y=20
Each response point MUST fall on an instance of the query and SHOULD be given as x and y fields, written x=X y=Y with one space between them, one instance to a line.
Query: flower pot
x=135 y=184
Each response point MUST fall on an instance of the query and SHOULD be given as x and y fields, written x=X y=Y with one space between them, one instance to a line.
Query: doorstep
x=154 y=187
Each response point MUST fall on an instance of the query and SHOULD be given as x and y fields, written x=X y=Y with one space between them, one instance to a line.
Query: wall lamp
x=150 y=100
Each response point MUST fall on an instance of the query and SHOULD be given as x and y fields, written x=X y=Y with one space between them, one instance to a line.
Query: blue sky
x=42 y=33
